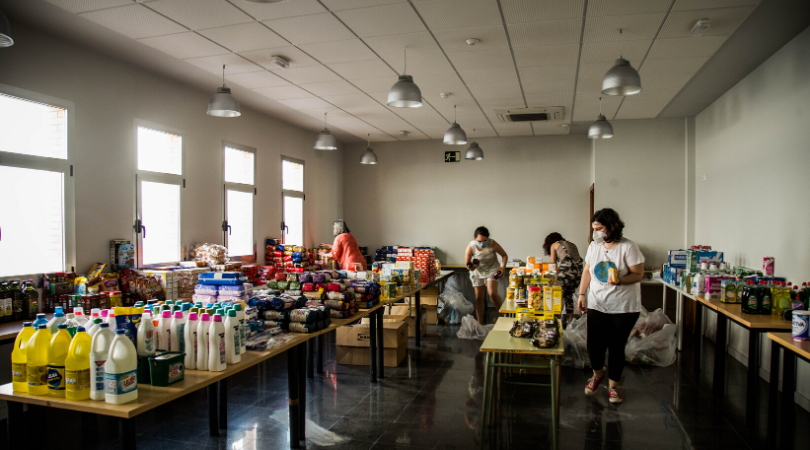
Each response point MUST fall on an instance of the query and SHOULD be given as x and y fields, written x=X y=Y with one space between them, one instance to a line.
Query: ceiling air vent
x=543 y=114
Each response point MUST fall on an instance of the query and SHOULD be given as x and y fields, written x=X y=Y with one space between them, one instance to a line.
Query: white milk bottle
x=99 y=351
x=121 y=370
x=164 y=331
x=216 y=345
x=178 y=327
x=232 y=345
x=190 y=338
x=242 y=329
x=146 y=335
x=202 y=341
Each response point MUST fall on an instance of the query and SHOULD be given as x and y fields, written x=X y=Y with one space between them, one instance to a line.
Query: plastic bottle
x=78 y=314
x=58 y=318
x=40 y=320
x=164 y=331
x=190 y=339
x=146 y=335
x=57 y=353
x=99 y=352
x=16 y=300
x=77 y=367
x=4 y=293
x=232 y=341
x=202 y=341
x=104 y=314
x=94 y=328
x=111 y=321
x=749 y=300
x=240 y=314
x=765 y=299
x=30 y=299
x=19 y=359
x=699 y=284
x=71 y=324
x=216 y=345
x=156 y=320
x=37 y=354
x=178 y=326
x=121 y=370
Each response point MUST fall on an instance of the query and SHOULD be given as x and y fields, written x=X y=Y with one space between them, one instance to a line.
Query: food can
x=801 y=325
x=510 y=293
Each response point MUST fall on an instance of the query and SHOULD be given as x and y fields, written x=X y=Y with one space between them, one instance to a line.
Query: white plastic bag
x=471 y=329
x=575 y=339
x=455 y=307
x=657 y=349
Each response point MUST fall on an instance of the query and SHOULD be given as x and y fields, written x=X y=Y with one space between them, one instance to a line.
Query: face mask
x=480 y=244
x=598 y=237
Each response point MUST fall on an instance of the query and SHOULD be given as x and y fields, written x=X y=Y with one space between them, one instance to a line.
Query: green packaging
x=167 y=368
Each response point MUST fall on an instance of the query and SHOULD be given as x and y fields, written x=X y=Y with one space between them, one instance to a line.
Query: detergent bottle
x=178 y=328
x=40 y=320
x=232 y=345
x=95 y=326
x=190 y=339
x=111 y=320
x=78 y=314
x=146 y=335
x=216 y=345
x=240 y=314
x=99 y=351
x=57 y=353
x=71 y=323
x=37 y=354
x=121 y=370
x=58 y=318
x=77 y=366
x=202 y=341
x=19 y=359
x=164 y=331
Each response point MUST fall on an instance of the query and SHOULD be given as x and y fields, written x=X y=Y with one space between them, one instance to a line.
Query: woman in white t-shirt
x=481 y=257
x=614 y=266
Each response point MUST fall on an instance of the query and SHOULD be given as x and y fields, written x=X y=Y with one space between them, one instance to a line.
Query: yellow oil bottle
x=19 y=359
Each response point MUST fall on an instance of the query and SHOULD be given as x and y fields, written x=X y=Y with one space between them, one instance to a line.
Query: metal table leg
x=302 y=393
x=664 y=300
x=679 y=315
x=418 y=327
x=555 y=402
x=720 y=356
x=320 y=343
x=380 y=345
x=15 y=425
x=698 y=334
x=487 y=396
x=752 y=394
x=311 y=358
x=788 y=388
x=213 y=428
x=126 y=434
x=89 y=435
x=773 y=391
x=292 y=387
x=222 y=387
x=372 y=347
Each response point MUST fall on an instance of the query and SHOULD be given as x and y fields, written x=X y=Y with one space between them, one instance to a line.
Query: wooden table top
x=500 y=341
x=734 y=312
x=801 y=348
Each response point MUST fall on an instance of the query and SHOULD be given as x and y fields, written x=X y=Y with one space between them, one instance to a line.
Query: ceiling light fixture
x=622 y=78
x=280 y=62
x=472 y=41
x=5 y=32
x=455 y=135
x=223 y=103
x=600 y=128
x=701 y=27
x=368 y=156
x=474 y=152
x=325 y=140
x=405 y=93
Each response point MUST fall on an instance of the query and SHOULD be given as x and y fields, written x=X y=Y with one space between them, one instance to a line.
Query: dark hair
x=481 y=231
x=346 y=227
x=551 y=239
x=612 y=222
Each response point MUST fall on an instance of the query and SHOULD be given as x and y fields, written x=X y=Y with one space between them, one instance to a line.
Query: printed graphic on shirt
x=600 y=271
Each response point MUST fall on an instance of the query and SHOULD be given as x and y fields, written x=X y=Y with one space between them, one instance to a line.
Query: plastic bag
x=649 y=323
x=471 y=329
x=657 y=348
x=452 y=285
x=455 y=307
x=575 y=344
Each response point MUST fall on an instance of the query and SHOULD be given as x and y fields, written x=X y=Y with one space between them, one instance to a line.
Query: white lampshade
x=223 y=104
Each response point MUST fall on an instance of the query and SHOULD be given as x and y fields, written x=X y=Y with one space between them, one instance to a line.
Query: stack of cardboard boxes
x=353 y=342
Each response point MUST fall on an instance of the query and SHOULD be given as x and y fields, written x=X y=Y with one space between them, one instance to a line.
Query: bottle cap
x=210 y=311
x=217 y=318
x=192 y=316
x=105 y=312
x=96 y=321
x=205 y=317
x=40 y=316
x=27 y=324
x=231 y=313
x=198 y=304
x=120 y=331
x=168 y=302
x=176 y=308
x=166 y=314
x=59 y=314
x=80 y=330
x=147 y=315
x=58 y=309
x=178 y=314
x=42 y=326
x=104 y=325
x=110 y=315
x=61 y=326
x=237 y=307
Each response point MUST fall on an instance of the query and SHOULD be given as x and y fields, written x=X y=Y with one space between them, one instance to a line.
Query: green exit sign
x=452 y=156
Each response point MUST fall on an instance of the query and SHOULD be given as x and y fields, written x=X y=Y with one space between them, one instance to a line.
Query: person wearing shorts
x=481 y=258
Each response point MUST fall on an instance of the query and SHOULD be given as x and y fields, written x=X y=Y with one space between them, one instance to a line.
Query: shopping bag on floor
x=657 y=349
x=575 y=344
x=455 y=307
x=471 y=329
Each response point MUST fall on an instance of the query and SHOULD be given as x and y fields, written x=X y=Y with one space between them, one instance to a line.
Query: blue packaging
x=801 y=325
x=677 y=258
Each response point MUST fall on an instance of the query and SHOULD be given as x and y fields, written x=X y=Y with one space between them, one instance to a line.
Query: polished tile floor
x=433 y=401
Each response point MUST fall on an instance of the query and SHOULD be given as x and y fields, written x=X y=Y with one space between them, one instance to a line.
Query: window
x=158 y=193
x=239 y=175
x=292 y=195
x=36 y=184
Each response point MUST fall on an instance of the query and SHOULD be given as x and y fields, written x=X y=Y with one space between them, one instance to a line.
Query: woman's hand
x=615 y=282
x=582 y=305
x=325 y=245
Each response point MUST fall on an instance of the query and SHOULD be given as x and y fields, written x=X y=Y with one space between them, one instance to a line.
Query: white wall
x=525 y=188
x=752 y=148
x=109 y=94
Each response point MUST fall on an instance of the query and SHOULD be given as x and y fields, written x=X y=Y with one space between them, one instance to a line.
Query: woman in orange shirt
x=345 y=249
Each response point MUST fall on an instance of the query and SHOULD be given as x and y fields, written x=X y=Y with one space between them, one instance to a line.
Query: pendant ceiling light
x=622 y=78
x=405 y=93
x=474 y=152
x=368 y=156
x=455 y=135
x=5 y=32
x=325 y=140
x=600 y=128
x=223 y=104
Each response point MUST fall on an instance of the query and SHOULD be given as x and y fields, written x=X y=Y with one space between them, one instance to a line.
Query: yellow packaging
x=96 y=270
x=530 y=260
x=548 y=298
x=77 y=367
x=515 y=280
x=613 y=275
x=556 y=300
x=510 y=293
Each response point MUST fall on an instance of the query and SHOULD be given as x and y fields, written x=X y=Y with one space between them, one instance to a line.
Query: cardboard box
x=432 y=310
x=353 y=342
x=409 y=315
x=403 y=317
x=357 y=356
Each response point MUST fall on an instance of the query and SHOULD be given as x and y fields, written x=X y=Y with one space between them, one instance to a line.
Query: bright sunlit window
x=292 y=176
x=239 y=165
x=239 y=178
x=292 y=193
x=32 y=128
x=160 y=213
x=240 y=221
x=159 y=151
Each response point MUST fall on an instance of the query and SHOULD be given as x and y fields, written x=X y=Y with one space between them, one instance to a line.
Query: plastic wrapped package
x=471 y=329
x=335 y=314
x=282 y=303
x=575 y=344
x=339 y=305
x=277 y=315
x=204 y=298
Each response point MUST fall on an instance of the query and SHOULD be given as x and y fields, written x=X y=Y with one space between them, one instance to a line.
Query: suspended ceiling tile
x=690 y=47
x=235 y=64
x=134 y=21
x=724 y=21
x=536 y=75
x=309 y=74
x=423 y=62
x=385 y=121
x=199 y=14
x=349 y=101
x=683 y=5
x=350 y=50
x=480 y=60
x=586 y=107
x=553 y=32
x=643 y=106
x=390 y=48
x=565 y=100
x=380 y=97
x=608 y=52
x=367 y=109
x=375 y=84
x=486 y=91
x=624 y=7
x=283 y=92
x=381 y=138
x=252 y=80
x=448 y=14
x=382 y=20
x=599 y=69
x=515 y=101
x=310 y=29
x=296 y=57
x=521 y=11
x=338 y=87
x=632 y=27
x=319 y=112
x=78 y=6
x=355 y=126
x=184 y=45
x=419 y=116
x=665 y=67
x=549 y=87
x=267 y=11
x=589 y=85
x=339 y=5
x=433 y=85
x=494 y=78
x=514 y=129
x=550 y=128
x=304 y=103
x=483 y=132
x=244 y=37
x=551 y=54
x=491 y=38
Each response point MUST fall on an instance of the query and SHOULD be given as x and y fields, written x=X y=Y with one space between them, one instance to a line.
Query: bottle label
x=149 y=341
x=121 y=383
x=242 y=336
x=752 y=303
x=194 y=339
x=19 y=373
x=766 y=302
x=77 y=380
x=175 y=372
x=98 y=375
x=181 y=337
x=168 y=340
x=56 y=378
x=37 y=375
x=222 y=348
x=236 y=345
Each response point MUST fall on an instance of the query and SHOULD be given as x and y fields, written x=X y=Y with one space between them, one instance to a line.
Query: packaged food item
x=510 y=293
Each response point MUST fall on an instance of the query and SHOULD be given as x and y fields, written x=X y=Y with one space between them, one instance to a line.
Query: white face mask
x=598 y=237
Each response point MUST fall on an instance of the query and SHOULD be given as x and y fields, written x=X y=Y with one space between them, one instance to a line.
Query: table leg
x=213 y=429
x=380 y=345
x=698 y=335
x=773 y=391
x=126 y=434
x=15 y=425
x=222 y=387
x=788 y=388
x=372 y=347
x=292 y=387
x=664 y=300
x=752 y=394
x=720 y=356
x=302 y=394
x=88 y=431
x=679 y=315
x=311 y=358
x=555 y=402
x=487 y=395
x=418 y=298
x=320 y=344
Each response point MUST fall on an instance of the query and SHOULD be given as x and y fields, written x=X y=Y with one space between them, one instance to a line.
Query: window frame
x=45 y=163
x=292 y=193
x=156 y=177
x=241 y=187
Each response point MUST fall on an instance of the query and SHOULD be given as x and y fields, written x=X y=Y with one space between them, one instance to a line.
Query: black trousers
x=609 y=332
